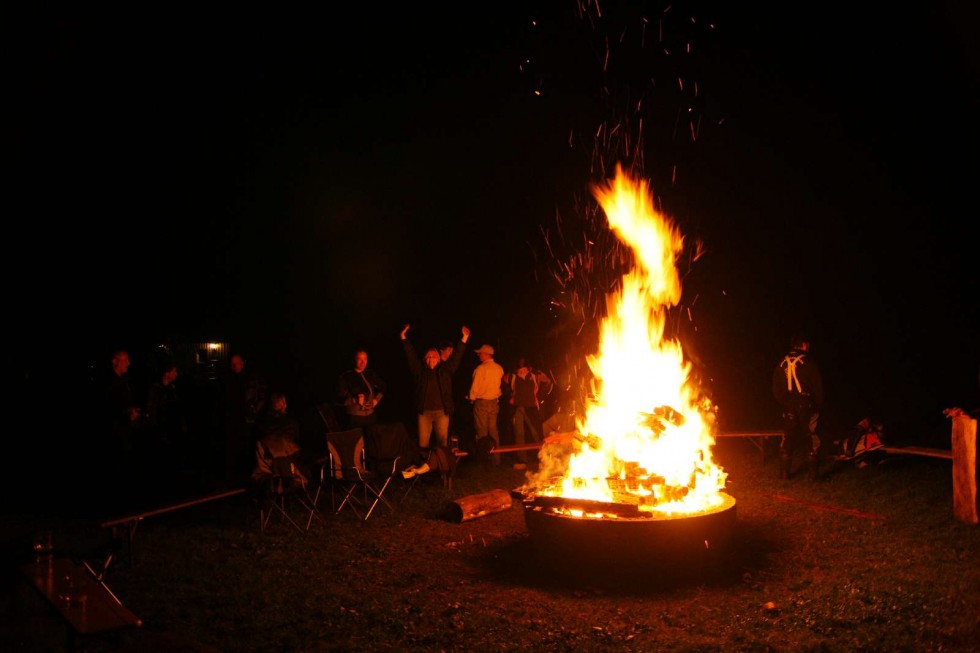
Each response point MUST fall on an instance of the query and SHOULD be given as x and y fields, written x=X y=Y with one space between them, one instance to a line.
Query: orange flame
x=646 y=433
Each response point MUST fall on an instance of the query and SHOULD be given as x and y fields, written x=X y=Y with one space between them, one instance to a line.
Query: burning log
x=478 y=505
x=565 y=504
x=661 y=416
x=573 y=437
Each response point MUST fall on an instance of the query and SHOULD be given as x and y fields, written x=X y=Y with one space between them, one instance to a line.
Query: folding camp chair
x=441 y=461
x=284 y=489
x=389 y=449
x=346 y=472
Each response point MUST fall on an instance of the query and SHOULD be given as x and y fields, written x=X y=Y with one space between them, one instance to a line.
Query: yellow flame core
x=647 y=432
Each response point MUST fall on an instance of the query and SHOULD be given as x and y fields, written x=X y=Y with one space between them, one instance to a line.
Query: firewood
x=588 y=506
x=479 y=505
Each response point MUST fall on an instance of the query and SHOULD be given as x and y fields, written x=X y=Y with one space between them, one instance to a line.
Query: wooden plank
x=749 y=434
x=920 y=451
x=177 y=506
x=507 y=448
x=130 y=522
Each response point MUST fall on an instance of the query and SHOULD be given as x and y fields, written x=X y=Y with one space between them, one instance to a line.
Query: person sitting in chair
x=276 y=450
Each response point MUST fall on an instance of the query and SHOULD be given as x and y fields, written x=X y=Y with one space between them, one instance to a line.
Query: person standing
x=485 y=395
x=524 y=399
x=433 y=388
x=164 y=449
x=242 y=401
x=359 y=390
x=797 y=385
x=445 y=350
x=122 y=412
x=164 y=422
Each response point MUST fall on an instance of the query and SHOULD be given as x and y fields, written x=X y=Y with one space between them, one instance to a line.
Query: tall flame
x=646 y=433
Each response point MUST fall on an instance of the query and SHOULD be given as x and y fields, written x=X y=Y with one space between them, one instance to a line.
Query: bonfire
x=643 y=443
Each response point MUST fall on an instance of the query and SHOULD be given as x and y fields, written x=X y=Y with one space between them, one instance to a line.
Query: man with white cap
x=485 y=395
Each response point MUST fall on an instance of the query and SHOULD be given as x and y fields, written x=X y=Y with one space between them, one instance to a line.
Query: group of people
x=248 y=412
x=249 y=419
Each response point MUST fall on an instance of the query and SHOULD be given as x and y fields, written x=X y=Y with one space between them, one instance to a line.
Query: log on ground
x=478 y=505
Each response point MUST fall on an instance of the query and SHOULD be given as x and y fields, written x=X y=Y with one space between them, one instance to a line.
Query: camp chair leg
x=273 y=506
x=379 y=497
x=350 y=500
x=314 y=514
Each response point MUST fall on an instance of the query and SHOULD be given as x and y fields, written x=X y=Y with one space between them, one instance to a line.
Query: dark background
x=302 y=185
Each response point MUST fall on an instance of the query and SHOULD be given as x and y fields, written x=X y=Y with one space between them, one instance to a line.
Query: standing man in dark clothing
x=433 y=399
x=242 y=402
x=122 y=411
x=359 y=391
x=798 y=387
x=524 y=398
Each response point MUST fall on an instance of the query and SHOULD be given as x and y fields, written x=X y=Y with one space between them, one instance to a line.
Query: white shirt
x=486 y=380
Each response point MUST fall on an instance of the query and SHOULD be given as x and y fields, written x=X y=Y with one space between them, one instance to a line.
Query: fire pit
x=634 y=484
x=627 y=537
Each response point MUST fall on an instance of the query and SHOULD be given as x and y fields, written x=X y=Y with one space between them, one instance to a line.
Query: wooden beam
x=750 y=434
x=507 y=448
x=171 y=508
x=921 y=451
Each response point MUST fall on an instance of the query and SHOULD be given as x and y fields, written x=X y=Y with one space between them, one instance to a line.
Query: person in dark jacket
x=798 y=387
x=433 y=381
x=359 y=390
x=242 y=400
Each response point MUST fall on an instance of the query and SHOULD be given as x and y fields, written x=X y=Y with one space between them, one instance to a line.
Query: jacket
x=442 y=374
x=796 y=381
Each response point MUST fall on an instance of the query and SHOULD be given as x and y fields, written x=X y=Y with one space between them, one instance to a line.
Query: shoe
x=409 y=472
x=422 y=469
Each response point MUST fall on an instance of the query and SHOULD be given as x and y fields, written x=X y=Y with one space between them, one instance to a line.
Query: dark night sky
x=301 y=185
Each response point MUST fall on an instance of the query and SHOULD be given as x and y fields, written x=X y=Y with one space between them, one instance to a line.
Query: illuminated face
x=360 y=361
x=445 y=353
x=432 y=358
x=237 y=364
x=279 y=405
x=120 y=363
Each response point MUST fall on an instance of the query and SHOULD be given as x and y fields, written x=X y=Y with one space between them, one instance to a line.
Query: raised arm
x=411 y=356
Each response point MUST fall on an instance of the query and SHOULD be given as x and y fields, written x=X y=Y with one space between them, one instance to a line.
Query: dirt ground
x=861 y=560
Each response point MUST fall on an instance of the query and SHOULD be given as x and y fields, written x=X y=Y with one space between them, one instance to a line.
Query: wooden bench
x=130 y=522
x=85 y=604
x=758 y=439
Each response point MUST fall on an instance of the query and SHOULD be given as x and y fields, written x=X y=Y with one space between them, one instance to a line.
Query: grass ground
x=861 y=560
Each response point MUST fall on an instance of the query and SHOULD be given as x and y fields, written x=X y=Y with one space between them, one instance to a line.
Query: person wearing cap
x=485 y=395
